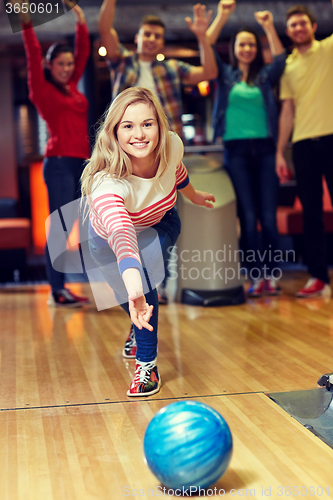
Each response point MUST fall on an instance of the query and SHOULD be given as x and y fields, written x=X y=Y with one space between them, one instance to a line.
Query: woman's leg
x=268 y=186
x=240 y=167
x=61 y=178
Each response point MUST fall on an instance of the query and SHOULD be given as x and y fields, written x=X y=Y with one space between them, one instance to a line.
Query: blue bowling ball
x=187 y=444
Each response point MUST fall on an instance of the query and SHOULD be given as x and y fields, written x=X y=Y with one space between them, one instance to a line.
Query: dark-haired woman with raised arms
x=246 y=118
x=53 y=90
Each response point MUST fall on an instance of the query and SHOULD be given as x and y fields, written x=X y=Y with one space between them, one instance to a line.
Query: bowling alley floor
x=68 y=430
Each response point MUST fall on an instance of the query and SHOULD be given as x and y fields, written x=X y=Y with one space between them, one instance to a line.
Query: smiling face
x=62 y=67
x=138 y=136
x=300 y=29
x=245 y=48
x=150 y=41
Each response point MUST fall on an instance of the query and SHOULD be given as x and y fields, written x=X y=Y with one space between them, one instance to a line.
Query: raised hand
x=226 y=7
x=77 y=11
x=264 y=18
x=201 y=20
x=24 y=13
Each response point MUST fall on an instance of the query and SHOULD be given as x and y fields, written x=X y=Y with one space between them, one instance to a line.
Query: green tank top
x=246 y=116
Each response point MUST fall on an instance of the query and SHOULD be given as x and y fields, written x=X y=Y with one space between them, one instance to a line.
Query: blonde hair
x=107 y=155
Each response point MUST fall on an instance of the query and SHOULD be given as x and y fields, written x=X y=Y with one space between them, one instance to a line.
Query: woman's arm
x=33 y=51
x=139 y=310
x=266 y=21
x=108 y=34
x=197 y=197
x=208 y=68
x=224 y=9
x=109 y=207
x=82 y=42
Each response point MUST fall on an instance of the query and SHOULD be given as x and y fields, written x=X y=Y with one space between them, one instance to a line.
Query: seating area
x=15 y=232
x=290 y=218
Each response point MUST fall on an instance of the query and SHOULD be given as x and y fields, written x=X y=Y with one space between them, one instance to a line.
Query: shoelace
x=67 y=294
x=142 y=372
x=257 y=284
x=309 y=283
x=131 y=341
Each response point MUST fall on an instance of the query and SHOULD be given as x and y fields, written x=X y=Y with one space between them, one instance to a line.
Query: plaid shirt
x=168 y=76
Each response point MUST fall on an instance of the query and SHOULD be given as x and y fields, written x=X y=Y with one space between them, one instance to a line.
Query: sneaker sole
x=143 y=394
x=64 y=306
x=131 y=356
x=273 y=294
x=311 y=295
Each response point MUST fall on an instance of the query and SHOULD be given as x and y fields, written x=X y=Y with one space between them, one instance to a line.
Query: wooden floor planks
x=68 y=430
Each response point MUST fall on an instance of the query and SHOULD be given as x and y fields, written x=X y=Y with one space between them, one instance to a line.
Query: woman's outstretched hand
x=140 y=312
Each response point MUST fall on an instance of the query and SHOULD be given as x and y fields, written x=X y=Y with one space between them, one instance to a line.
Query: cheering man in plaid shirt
x=141 y=69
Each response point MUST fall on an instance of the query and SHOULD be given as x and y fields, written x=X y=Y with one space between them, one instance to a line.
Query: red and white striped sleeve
x=113 y=215
x=182 y=178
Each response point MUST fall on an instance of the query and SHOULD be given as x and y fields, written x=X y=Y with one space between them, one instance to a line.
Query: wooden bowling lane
x=52 y=357
x=95 y=452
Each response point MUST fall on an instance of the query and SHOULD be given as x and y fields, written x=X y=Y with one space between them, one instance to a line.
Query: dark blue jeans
x=62 y=177
x=250 y=164
x=168 y=231
x=313 y=159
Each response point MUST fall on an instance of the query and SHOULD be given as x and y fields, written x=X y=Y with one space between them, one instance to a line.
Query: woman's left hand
x=200 y=198
x=264 y=18
x=140 y=312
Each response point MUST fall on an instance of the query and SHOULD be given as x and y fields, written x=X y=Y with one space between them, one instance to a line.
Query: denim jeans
x=313 y=159
x=168 y=230
x=62 y=177
x=250 y=164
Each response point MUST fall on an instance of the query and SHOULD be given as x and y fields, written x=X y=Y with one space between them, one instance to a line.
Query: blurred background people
x=307 y=110
x=53 y=90
x=246 y=117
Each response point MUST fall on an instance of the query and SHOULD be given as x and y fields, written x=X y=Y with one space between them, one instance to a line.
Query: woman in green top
x=246 y=118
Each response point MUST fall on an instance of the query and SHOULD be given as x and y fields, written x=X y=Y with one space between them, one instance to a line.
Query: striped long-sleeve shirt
x=120 y=208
